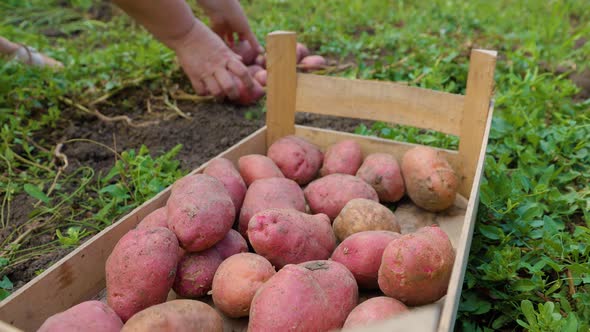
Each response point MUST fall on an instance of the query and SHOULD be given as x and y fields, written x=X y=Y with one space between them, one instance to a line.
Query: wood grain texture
x=80 y=275
x=382 y=101
x=281 y=85
x=480 y=84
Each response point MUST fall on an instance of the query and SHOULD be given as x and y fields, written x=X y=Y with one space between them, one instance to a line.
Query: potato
x=340 y=287
x=416 y=267
x=301 y=51
x=194 y=275
x=200 y=211
x=224 y=170
x=176 y=316
x=140 y=270
x=298 y=159
x=361 y=254
x=157 y=218
x=291 y=300
x=253 y=69
x=343 y=157
x=85 y=316
x=382 y=171
x=270 y=193
x=289 y=236
x=312 y=62
x=256 y=166
x=246 y=51
x=261 y=60
x=248 y=96
x=340 y=189
x=360 y=214
x=431 y=182
x=233 y=243
x=374 y=310
x=261 y=77
x=236 y=281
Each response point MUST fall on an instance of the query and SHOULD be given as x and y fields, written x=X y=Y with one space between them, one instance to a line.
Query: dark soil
x=212 y=128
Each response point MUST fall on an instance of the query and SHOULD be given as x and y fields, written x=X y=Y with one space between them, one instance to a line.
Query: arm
x=207 y=61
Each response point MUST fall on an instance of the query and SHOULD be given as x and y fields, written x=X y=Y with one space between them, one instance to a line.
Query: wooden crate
x=80 y=275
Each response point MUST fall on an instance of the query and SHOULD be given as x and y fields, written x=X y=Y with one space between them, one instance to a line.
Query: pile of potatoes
x=288 y=239
x=257 y=68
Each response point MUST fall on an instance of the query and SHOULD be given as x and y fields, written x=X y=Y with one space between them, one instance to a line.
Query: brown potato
x=360 y=215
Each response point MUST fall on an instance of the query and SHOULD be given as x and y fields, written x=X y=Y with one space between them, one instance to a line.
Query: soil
x=211 y=128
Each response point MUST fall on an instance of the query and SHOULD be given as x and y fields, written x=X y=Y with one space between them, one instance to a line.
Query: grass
x=529 y=263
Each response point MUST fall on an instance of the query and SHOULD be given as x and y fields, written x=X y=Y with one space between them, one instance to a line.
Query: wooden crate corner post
x=478 y=97
x=281 y=64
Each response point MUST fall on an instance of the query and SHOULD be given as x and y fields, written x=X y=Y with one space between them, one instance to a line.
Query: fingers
x=251 y=38
x=199 y=87
x=213 y=87
x=227 y=84
x=240 y=70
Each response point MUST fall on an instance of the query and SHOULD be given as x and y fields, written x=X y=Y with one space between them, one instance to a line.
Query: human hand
x=227 y=17
x=210 y=65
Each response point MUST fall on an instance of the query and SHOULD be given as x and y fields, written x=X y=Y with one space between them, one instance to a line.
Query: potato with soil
x=360 y=214
x=233 y=243
x=382 y=172
x=254 y=167
x=140 y=270
x=416 y=267
x=340 y=189
x=195 y=271
x=344 y=157
x=177 y=315
x=85 y=316
x=279 y=193
x=374 y=310
x=236 y=281
x=224 y=170
x=200 y=211
x=313 y=296
x=340 y=288
x=361 y=253
x=158 y=218
x=431 y=182
x=297 y=158
x=289 y=236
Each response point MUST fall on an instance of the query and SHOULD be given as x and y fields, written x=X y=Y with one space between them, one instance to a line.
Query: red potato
x=291 y=300
x=297 y=158
x=361 y=253
x=261 y=60
x=340 y=188
x=416 y=267
x=382 y=171
x=261 y=77
x=224 y=170
x=301 y=51
x=253 y=167
x=374 y=310
x=248 y=96
x=279 y=193
x=85 y=316
x=177 y=315
x=246 y=51
x=194 y=275
x=343 y=157
x=158 y=218
x=430 y=180
x=200 y=211
x=236 y=281
x=140 y=270
x=233 y=243
x=312 y=62
x=340 y=288
x=290 y=236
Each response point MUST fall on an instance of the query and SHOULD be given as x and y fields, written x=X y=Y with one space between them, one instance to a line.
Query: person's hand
x=209 y=63
x=227 y=17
